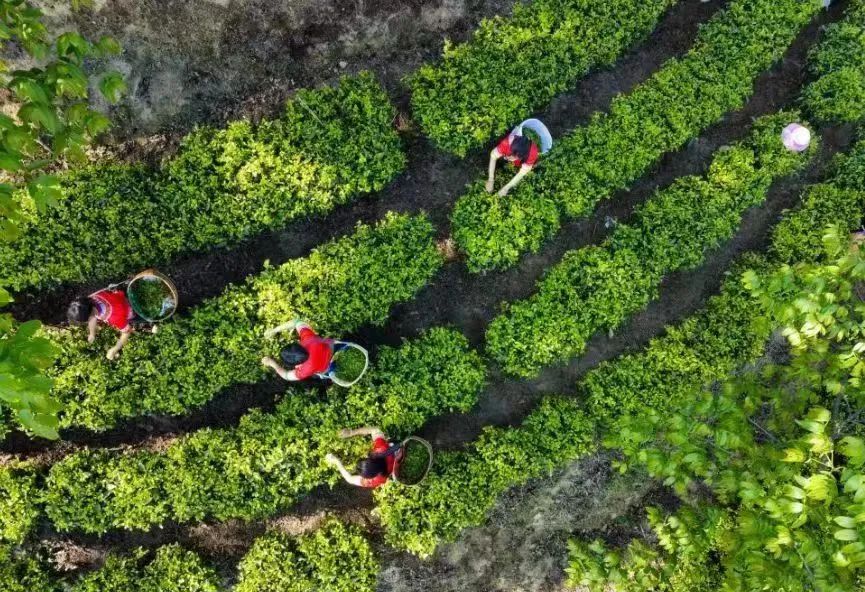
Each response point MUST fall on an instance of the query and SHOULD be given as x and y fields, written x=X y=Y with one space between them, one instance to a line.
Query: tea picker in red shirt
x=109 y=306
x=376 y=469
x=310 y=357
x=520 y=151
x=148 y=297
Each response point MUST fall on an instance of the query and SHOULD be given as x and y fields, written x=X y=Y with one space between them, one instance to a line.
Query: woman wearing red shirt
x=110 y=307
x=375 y=470
x=518 y=150
x=310 y=357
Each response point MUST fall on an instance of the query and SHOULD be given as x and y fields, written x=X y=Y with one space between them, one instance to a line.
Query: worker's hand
x=154 y=329
x=112 y=354
x=268 y=361
x=91 y=338
x=270 y=333
x=502 y=192
x=490 y=185
x=331 y=459
x=345 y=433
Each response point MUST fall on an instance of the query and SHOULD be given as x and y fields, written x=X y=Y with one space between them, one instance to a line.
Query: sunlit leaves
x=24 y=355
x=614 y=149
x=471 y=95
x=598 y=287
x=335 y=558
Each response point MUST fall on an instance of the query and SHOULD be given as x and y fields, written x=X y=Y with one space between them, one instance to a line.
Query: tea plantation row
x=334 y=558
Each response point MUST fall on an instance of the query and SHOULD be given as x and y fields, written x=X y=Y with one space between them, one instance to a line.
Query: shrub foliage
x=837 y=64
x=269 y=460
x=599 y=287
x=334 y=558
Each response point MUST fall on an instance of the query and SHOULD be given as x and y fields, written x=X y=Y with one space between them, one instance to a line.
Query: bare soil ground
x=198 y=61
x=523 y=546
x=194 y=61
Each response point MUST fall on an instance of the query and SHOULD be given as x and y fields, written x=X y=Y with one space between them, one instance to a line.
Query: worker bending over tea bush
x=375 y=470
x=111 y=307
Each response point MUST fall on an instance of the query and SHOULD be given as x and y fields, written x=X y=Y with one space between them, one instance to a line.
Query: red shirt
x=112 y=307
x=380 y=445
x=320 y=354
x=504 y=149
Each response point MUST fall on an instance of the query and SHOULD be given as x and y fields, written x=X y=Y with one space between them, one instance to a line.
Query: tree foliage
x=771 y=464
x=48 y=120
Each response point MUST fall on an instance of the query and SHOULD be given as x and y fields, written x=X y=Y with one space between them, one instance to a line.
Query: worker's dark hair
x=520 y=147
x=294 y=355
x=79 y=310
x=371 y=467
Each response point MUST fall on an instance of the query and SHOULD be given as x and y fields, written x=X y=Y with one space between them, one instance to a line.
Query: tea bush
x=338 y=287
x=837 y=65
x=463 y=486
x=513 y=65
x=676 y=104
x=269 y=460
x=334 y=558
x=329 y=146
x=24 y=573
x=18 y=503
x=599 y=287
x=170 y=569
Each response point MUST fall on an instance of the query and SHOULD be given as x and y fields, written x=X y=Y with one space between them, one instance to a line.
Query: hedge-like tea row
x=171 y=569
x=340 y=286
x=269 y=460
x=838 y=66
x=334 y=558
x=599 y=287
x=328 y=147
x=680 y=101
x=463 y=486
x=516 y=64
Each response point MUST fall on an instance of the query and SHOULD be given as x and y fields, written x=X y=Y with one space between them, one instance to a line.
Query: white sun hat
x=796 y=137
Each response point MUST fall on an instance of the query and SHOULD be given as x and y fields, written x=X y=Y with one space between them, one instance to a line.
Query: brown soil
x=194 y=61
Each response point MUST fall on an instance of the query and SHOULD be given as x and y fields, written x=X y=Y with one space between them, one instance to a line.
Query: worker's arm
x=92 y=324
x=352 y=479
x=524 y=170
x=285 y=374
x=121 y=341
x=372 y=432
x=491 y=175
x=292 y=325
